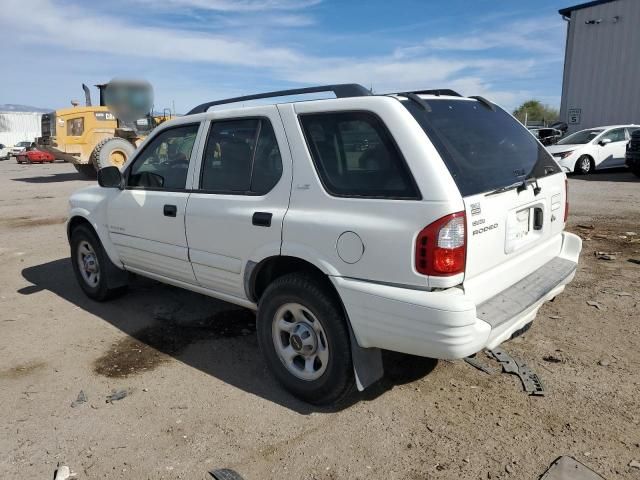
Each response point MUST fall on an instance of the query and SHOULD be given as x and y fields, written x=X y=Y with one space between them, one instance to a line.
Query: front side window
x=615 y=135
x=355 y=156
x=241 y=157
x=164 y=162
x=581 y=137
x=75 y=127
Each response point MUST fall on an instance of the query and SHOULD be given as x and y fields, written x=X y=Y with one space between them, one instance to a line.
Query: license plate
x=521 y=229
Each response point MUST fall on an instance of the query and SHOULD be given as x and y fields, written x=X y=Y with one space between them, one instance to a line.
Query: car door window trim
x=246 y=193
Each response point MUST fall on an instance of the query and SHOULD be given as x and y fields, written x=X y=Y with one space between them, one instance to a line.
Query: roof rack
x=437 y=92
x=343 y=90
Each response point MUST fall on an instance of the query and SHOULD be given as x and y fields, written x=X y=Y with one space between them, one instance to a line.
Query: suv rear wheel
x=92 y=267
x=304 y=338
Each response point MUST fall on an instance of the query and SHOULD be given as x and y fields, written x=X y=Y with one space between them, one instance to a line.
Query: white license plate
x=521 y=229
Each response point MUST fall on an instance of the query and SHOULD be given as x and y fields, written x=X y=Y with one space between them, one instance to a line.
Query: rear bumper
x=448 y=324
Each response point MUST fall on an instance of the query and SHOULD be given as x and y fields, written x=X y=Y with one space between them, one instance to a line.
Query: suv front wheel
x=96 y=274
x=304 y=338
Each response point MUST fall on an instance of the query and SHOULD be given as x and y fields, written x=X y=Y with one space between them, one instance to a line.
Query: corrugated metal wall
x=19 y=126
x=602 y=66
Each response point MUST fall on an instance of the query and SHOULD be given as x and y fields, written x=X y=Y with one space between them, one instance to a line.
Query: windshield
x=483 y=149
x=23 y=144
x=581 y=137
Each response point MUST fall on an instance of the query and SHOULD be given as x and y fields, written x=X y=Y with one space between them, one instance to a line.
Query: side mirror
x=110 y=177
x=604 y=141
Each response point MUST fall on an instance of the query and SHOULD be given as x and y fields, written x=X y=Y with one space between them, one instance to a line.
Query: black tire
x=337 y=382
x=584 y=165
x=636 y=169
x=87 y=170
x=101 y=155
x=111 y=280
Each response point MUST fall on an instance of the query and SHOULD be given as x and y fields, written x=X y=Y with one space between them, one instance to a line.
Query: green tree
x=535 y=111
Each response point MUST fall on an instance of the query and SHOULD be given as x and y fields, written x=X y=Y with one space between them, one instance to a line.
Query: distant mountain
x=12 y=107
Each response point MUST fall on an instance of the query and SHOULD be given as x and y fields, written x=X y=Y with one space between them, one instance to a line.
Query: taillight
x=566 y=200
x=441 y=247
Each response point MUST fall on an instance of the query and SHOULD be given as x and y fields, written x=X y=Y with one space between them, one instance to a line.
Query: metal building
x=601 y=81
x=19 y=127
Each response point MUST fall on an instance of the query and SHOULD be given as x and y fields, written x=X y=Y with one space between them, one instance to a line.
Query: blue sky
x=198 y=50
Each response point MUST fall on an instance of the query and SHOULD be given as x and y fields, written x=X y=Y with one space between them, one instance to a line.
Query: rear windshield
x=581 y=137
x=483 y=149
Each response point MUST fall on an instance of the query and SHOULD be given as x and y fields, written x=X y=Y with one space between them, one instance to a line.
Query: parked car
x=593 y=149
x=33 y=155
x=632 y=156
x=20 y=147
x=5 y=152
x=443 y=237
x=547 y=136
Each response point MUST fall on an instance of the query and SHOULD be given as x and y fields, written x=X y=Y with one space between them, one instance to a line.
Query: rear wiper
x=520 y=185
x=505 y=189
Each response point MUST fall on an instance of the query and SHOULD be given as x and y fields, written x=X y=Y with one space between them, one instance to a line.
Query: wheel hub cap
x=88 y=264
x=300 y=341
x=303 y=339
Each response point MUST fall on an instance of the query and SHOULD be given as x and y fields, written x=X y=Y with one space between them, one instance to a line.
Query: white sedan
x=593 y=149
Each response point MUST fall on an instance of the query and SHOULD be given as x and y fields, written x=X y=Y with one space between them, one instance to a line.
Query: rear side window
x=355 y=156
x=241 y=157
x=483 y=149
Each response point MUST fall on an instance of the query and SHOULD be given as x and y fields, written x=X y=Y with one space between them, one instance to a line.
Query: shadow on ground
x=53 y=178
x=612 y=175
x=218 y=338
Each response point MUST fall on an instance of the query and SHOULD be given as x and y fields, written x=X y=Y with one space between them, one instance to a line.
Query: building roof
x=566 y=12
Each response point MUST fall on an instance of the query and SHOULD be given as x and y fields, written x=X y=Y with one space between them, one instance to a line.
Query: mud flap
x=116 y=277
x=367 y=363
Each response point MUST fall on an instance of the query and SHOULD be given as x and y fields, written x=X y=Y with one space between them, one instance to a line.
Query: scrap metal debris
x=225 y=474
x=586 y=227
x=591 y=303
x=82 y=398
x=63 y=473
x=530 y=380
x=606 y=255
x=552 y=359
x=116 y=395
x=619 y=294
x=568 y=468
x=474 y=362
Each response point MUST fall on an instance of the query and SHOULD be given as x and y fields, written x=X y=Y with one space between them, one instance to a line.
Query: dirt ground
x=198 y=396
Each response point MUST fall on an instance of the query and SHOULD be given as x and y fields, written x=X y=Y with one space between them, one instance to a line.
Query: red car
x=34 y=156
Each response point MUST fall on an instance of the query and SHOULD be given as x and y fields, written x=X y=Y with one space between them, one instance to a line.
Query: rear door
x=513 y=190
x=240 y=198
x=146 y=219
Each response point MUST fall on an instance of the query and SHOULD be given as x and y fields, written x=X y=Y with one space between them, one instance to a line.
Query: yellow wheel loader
x=92 y=137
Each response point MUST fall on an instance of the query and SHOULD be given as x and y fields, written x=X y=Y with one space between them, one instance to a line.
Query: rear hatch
x=513 y=190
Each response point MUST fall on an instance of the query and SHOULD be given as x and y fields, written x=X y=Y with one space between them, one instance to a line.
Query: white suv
x=420 y=222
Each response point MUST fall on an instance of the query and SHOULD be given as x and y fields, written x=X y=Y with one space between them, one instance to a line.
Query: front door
x=146 y=220
x=611 y=154
x=236 y=210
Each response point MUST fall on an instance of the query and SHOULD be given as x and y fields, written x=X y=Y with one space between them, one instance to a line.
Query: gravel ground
x=198 y=396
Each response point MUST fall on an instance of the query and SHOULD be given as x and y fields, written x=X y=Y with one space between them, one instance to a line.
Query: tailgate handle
x=538 y=218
